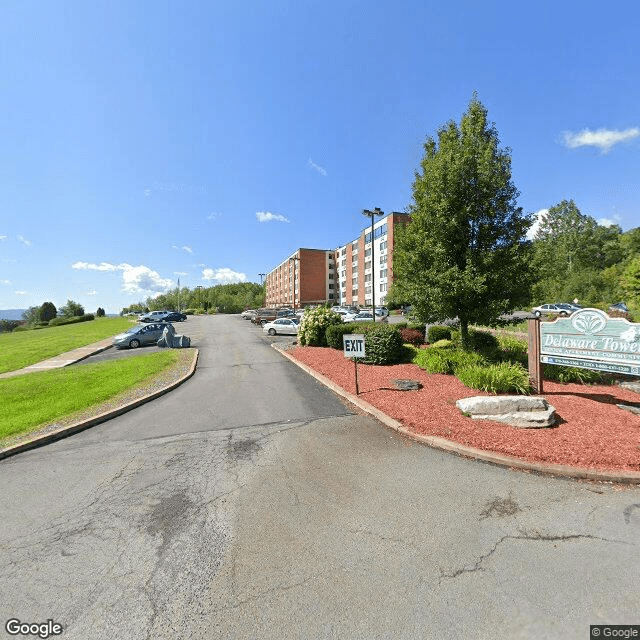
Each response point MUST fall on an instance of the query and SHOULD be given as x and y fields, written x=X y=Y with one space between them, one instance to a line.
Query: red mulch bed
x=591 y=432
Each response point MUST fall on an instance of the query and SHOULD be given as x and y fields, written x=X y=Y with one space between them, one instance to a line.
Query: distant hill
x=11 y=314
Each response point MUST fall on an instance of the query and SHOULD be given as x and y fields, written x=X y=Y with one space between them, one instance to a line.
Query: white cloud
x=608 y=222
x=25 y=242
x=533 y=229
x=92 y=293
x=321 y=170
x=21 y=293
x=604 y=139
x=213 y=216
x=138 y=279
x=223 y=275
x=3 y=238
x=187 y=248
x=267 y=216
x=5 y=281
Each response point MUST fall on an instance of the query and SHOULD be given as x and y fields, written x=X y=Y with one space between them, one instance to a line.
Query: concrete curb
x=561 y=470
x=102 y=417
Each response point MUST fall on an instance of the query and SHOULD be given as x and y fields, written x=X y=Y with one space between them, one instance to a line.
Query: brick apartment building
x=343 y=276
x=355 y=271
x=307 y=276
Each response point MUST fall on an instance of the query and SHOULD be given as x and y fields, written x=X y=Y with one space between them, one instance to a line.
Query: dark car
x=619 y=306
x=140 y=335
x=173 y=316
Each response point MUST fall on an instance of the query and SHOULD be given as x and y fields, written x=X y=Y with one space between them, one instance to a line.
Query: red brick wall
x=313 y=276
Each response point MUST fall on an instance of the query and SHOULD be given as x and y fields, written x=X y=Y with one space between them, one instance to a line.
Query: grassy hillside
x=23 y=348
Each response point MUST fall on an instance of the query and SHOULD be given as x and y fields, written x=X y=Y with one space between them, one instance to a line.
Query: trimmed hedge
x=336 y=331
x=383 y=344
x=438 y=332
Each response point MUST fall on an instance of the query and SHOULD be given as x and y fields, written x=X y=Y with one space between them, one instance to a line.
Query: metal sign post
x=353 y=347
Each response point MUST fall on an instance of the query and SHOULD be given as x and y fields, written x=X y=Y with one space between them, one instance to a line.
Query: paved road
x=251 y=503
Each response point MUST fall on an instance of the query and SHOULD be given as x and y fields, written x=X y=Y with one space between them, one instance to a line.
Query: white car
x=282 y=326
x=363 y=316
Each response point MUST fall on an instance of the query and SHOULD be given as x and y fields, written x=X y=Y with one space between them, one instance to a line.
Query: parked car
x=619 y=306
x=152 y=316
x=174 y=316
x=140 y=335
x=282 y=326
x=269 y=315
x=247 y=314
x=557 y=308
x=363 y=316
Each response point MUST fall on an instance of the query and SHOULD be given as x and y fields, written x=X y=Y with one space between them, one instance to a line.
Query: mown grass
x=36 y=399
x=20 y=349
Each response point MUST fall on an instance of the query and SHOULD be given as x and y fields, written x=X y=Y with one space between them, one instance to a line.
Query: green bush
x=564 y=375
x=335 y=332
x=506 y=377
x=383 y=344
x=55 y=322
x=417 y=326
x=482 y=341
x=446 y=360
x=512 y=348
x=438 y=332
x=22 y=327
x=314 y=325
x=442 y=344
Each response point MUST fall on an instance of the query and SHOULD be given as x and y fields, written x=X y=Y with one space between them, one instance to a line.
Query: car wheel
x=563 y=314
x=537 y=314
x=134 y=344
x=272 y=332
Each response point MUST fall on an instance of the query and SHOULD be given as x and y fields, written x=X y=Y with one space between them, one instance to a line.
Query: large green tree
x=464 y=253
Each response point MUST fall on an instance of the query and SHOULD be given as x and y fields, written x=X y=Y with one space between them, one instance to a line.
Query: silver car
x=140 y=335
x=285 y=326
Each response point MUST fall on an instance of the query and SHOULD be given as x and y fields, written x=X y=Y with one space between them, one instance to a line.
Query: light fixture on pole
x=372 y=214
x=262 y=276
x=294 y=259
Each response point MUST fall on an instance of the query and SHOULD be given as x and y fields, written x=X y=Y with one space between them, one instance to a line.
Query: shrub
x=505 y=377
x=438 y=332
x=412 y=336
x=564 y=375
x=446 y=360
x=483 y=341
x=335 y=332
x=9 y=325
x=313 y=328
x=442 y=344
x=22 y=327
x=100 y=312
x=383 y=344
x=512 y=348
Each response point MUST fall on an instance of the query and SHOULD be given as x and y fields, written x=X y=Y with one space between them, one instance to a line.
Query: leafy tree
x=31 y=315
x=72 y=309
x=631 y=282
x=48 y=311
x=100 y=312
x=464 y=253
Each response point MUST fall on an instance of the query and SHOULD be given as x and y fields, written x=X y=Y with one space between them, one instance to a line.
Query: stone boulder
x=524 y=412
x=171 y=340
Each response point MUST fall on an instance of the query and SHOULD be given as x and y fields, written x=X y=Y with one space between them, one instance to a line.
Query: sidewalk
x=63 y=359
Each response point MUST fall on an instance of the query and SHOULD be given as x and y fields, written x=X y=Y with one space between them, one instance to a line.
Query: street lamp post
x=294 y=259
x=372 y=214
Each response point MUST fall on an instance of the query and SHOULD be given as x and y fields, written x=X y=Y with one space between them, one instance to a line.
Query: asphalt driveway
x=252 y=503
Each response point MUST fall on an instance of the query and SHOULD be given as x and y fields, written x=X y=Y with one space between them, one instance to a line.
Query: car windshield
x=132 y=330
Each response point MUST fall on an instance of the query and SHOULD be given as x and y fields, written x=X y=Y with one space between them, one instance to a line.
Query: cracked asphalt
x=252 y=503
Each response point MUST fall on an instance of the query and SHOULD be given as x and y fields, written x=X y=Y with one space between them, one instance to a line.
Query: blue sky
x=145 y=141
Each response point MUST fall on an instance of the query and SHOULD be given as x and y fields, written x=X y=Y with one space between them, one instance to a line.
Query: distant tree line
x=221 y=298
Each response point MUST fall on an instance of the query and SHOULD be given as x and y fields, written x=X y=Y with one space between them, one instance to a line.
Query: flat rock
x=523 y=412
x=630 y=386
x=629 y=407
x=407 y=385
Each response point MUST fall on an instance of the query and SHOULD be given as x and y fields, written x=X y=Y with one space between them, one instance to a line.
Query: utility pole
x=372 y=214
x=262 y=276
x=294 y=259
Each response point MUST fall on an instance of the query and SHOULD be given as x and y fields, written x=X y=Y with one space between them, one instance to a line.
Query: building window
x=383 y=273
x=367 y=252
x=383 y=245
x=331 y=286
x=367 y=265
x=383 y=259
x=367 y=278
x=331 y=296
x=354 y=268
x=331 y=276
x=354 y=293
x=383 y=286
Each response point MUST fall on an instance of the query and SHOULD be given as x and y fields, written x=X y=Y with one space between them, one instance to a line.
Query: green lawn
x=20 y=349
x=36 y=399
